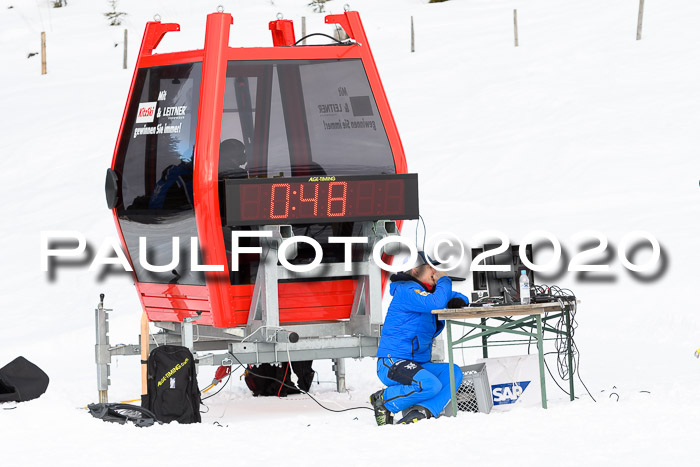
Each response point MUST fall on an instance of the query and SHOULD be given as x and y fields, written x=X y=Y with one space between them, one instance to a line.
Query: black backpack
x=173 y=393
x=21 y=380
x=264 y=379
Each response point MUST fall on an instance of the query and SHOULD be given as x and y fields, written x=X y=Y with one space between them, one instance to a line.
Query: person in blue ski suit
x=405 y=346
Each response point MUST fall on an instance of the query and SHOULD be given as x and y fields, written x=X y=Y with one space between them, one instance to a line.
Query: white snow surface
x=581 y=127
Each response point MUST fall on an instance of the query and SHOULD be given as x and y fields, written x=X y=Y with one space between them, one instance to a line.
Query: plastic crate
x=474 y=394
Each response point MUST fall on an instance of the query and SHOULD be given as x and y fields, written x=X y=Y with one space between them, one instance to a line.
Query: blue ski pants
x=410 y=383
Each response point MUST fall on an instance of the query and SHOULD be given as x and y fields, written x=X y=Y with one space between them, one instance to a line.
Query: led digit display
x=340 y=201
x=298 y=200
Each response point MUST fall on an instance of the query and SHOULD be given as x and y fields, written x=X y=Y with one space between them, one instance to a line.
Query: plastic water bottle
x=524 y=288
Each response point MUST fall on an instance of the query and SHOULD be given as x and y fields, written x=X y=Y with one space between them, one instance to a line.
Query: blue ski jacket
x=410 y=327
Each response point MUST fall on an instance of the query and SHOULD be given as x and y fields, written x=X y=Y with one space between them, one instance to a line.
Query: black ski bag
x=21 y=380
x=173 y=393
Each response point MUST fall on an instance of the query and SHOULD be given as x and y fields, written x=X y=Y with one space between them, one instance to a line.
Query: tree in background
x=114 y=16
x=319 y=6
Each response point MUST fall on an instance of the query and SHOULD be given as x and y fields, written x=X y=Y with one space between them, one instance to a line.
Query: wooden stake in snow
x=303 y=29
x=43 y=53
x=413 y=37
x=515 y=26
x=144 y=355
x=125 y=47
x=639 y=20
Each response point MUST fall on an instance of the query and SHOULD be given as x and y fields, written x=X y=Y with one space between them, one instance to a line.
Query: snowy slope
x=579 y=128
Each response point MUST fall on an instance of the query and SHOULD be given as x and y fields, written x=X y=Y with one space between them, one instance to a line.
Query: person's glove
x=456 y=303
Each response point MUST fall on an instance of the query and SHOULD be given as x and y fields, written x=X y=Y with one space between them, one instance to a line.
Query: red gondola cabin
x=226 y=139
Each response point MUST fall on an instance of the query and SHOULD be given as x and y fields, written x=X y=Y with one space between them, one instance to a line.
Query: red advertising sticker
x=146 y=113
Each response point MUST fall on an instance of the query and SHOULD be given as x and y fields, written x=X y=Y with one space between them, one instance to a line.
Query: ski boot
x=413 y=415
x=381 y=413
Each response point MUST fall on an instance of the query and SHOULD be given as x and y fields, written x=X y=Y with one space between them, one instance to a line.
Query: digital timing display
x=298 y=200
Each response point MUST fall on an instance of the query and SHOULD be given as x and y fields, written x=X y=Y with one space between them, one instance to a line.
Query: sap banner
x=515 y=381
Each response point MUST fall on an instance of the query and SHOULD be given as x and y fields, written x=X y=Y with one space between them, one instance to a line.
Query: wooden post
x=639 y=20
x=43 y=53
x=125 y=46
x=144 y=355
x=303 y=29
x=413 y=37
x=515 y=25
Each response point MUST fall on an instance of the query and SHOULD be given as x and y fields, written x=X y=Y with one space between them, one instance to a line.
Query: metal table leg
x=540 y=352
x=484 y=341
x=452 y=373
x=569 y=353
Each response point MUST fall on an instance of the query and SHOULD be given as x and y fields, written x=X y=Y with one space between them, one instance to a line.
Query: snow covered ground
x=581 y=127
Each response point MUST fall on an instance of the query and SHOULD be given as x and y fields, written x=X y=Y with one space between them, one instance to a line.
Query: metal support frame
x=540 y=357
x=102 y=352
x=450 y=357
x=263 y=340
x=566 y=313
x=569 y=353
x=339 y=369
x=517 y=327
x=187 y=332
x=510 y=327
x=263 y=316
x=366 y=312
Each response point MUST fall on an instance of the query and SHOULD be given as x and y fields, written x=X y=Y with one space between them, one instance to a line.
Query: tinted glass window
x=301 y=117
x=346 y=134
x=155 y=163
